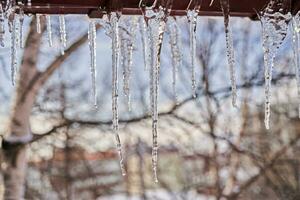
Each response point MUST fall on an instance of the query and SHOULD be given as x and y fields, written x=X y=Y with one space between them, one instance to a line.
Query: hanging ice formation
x=275 y=22
x=296 y=48
x=2 y=26
x=127 y=40
x=156 y=20
x=192 y=16
x=14 y=47
x=275 y=19
x=145 y=43
x=92 y=35
x=49 y=30
x=38 y=23
x=114 y=22
x=63 y=34
x=21 y=23
x=229 y=49
x=175 y=51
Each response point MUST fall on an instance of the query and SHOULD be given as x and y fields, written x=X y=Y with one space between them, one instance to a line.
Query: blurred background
x=207 y=148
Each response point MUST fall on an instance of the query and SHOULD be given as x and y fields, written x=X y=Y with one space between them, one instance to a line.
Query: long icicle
x=93 y=58
x=157 y=23
x=63 y=34
x=49 y=30
x=114 y=20
x=229 y=49
x=296 y=48
x=274 y=28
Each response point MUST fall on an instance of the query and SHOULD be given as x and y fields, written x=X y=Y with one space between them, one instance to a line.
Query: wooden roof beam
x=96 y=8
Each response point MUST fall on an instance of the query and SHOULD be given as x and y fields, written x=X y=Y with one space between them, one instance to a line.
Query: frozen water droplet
x=274 y=27
x=229 y=49
x=92 y=35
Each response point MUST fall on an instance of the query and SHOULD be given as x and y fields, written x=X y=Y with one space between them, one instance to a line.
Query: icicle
x=38 y=23
x=114 y=21
x=175 y=50
x=29 y=3
x=229 y=50
x=2 y=26
x=14 y=43
x=127 y=44
x=49 y=30
x=274 y=28
x=157 y=23
x=21 y=23
x=63 y=35
x=192 y=19
x=296 y=48
x=92 y=45
x=145 y=43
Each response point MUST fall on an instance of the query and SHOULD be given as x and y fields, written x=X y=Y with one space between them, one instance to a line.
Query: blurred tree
x=207 y=150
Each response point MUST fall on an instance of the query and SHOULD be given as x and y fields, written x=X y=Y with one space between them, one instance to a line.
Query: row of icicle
x=152 y=27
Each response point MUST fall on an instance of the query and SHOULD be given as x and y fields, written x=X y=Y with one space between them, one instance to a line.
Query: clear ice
x=274 y=28
x=114 y=22
x=296 y=48
x=230 y=49
x=92 y=36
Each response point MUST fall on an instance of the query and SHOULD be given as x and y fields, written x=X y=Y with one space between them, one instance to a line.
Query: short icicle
x=92 y=36
x=21 y=23
x=2 y=26
x=192 y=16
x=14 y=47
x=114 y=21
x=145 y=42
x=38 y=23
x=49 y=30
x=296 y=48
x=229 y=49
x=63 y=34
x=175 y=51
x=127 y=45
x=274 y=29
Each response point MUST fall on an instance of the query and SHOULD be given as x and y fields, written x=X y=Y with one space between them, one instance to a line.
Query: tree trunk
x=30 y=81
x=14 y=144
